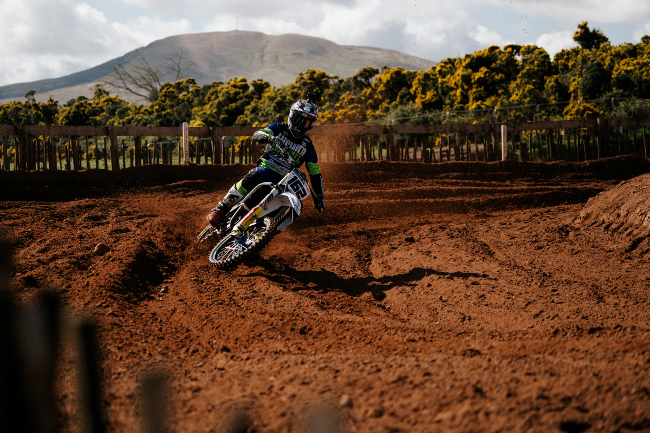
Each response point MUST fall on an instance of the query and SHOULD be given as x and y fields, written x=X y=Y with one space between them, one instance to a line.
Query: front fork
x=254 y=213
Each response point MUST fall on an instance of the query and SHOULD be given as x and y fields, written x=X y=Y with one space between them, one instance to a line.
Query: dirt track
x=455 y=297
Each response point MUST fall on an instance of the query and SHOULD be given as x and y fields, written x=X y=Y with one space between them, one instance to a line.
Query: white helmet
x=302 y=116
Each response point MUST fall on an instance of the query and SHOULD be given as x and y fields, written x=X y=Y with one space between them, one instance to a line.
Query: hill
x=219 y=56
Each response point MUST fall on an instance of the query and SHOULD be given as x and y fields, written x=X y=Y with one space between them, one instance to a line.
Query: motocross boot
x=216 y=215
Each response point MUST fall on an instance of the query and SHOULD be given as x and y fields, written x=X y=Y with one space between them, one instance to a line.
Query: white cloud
x=50 y=38
x=429 y=30
x=486 y=37
x=556 y=41
x=144 y=30
x=604 y=11
x=641 y=31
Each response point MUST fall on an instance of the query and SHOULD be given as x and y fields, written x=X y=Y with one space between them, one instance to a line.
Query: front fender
x=283 y=200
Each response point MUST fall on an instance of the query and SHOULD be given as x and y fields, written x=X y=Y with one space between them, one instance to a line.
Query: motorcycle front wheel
x=234 y=248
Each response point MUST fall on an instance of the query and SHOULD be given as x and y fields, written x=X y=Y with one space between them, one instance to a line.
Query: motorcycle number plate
x=298 y=188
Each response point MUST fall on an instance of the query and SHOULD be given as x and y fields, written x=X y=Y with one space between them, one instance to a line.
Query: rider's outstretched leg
x=232 y=198
x=239 y=191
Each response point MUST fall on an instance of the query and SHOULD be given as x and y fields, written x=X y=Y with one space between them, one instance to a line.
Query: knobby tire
x=233 y=249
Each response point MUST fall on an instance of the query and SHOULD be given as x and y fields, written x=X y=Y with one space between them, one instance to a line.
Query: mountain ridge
x=220 y=56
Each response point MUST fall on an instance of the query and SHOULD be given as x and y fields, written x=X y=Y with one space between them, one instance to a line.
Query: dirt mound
x=623 y=211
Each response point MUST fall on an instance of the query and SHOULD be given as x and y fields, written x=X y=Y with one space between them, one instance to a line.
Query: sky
x=52 y=38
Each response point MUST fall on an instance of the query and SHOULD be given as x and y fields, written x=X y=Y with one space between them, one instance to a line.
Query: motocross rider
x=287 y=147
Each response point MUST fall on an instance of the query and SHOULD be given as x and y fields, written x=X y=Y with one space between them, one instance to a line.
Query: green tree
x=535 y=69
x=589 y=39
x=425 y=89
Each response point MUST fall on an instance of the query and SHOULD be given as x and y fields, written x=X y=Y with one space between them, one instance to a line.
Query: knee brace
x=232 y=197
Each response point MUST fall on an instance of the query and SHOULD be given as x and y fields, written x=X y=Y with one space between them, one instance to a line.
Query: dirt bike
x=252 y=223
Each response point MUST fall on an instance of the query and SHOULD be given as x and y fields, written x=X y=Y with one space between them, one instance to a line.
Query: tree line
x=486 y=79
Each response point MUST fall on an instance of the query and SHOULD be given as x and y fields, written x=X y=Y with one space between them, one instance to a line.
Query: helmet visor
x=301 y=120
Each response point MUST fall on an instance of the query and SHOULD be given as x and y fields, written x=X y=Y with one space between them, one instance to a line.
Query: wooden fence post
x=504 y=142
x=28 y=348
x=66 y=150
x=79 y=153
x=495 y=142
x=96 y=154
x=485 y=147
x=38 y=150
x=216 y=146
x=416 y=144
x=51 y=155
x=73 y=152
x=34 y=152
x=105 y=154
x=390 y=144
x=37 y=348
x=549 y=145
x=137 y=151
x=87 y=153
x=123 y=155
x=457 y=155
x=31 y=152
x=112 y=137
x=14 y=414
x=362 y=157
x=154 y=402
x=448 y=153
x=28 y=154
x=4 y=153
x=602 y=152
x=37 y=153
x=43 y=153
x=58 y=152
x=5 y=162
x=90 y=388
x=186 y=143
x=21 y=149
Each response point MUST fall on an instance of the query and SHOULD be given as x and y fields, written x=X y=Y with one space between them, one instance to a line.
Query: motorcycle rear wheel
x=233 y=248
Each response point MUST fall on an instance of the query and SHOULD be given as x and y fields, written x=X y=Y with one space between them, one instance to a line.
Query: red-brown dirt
x=446 y=297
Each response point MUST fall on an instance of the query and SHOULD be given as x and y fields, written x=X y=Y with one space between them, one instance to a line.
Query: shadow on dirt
x=327 y=281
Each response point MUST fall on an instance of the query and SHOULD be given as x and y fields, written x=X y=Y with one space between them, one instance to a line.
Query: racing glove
x=262 y=137
x=319 y=203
